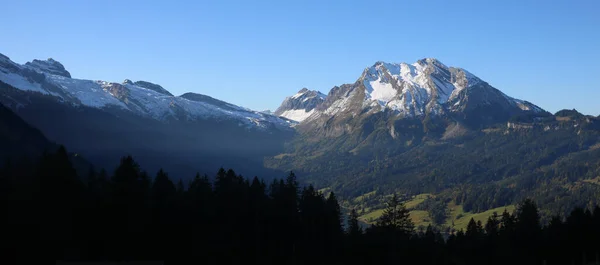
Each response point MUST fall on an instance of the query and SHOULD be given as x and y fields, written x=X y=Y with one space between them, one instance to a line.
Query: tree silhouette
x=54 y=212
x=528 y=231
x=354 y=229
x=396 y=217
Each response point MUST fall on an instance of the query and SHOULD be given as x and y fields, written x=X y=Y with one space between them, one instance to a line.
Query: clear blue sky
x=255 y=53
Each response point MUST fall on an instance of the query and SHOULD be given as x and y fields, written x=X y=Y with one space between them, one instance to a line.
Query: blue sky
x=255 y=53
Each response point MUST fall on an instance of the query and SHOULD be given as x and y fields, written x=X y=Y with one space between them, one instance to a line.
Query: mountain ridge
x=141 y=97
x=105 y=120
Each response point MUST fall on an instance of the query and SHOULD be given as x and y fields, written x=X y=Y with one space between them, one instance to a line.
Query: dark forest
x=51 y=213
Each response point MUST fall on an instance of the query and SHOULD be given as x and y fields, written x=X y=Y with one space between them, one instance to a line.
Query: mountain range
x=418 y=129
x=106 y=120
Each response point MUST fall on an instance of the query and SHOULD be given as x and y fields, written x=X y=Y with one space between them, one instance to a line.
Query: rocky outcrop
x=49 y=66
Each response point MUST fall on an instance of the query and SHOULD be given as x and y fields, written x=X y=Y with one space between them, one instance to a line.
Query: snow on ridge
x=297 y=114
x=88 y=92
x=380 y=90
x=524 y=105
x=317 y=94
x=297 y=95
x=21 y=83
x=428 y=75
x=129 y=96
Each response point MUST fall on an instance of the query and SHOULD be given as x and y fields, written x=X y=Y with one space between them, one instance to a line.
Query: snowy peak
x=49 y=66
x=426 y=87
x=301 y=105
x=306 y=94
x=415 y=89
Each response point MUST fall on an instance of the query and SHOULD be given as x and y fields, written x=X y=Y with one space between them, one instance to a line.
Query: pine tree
x=335 y=215
x=128 y=205
x=163 y=191
x=396 y=217
x=354 y=229
x=180 y=187
x=92 y=179
x=492 y=225
x=474 y=230
x=528 y=230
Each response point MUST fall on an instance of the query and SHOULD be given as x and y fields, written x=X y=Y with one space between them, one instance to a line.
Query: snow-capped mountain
x=301 y=105
x=397 y=119
x=426 y=88
x=104 y=120
x=143 y=98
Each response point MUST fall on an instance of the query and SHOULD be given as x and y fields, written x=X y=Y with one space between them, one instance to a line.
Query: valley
x=406 y=129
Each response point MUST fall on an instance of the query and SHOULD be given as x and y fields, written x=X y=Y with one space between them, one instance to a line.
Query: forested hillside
x=52 y=213
x=555 y=160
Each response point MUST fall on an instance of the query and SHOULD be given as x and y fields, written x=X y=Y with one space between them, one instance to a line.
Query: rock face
x=301 y=105
x=49 y=66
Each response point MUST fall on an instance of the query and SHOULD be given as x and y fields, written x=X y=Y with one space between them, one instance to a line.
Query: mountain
x=426 y=128
x=391 y=102
x=426 y=88
x=141 y=98
x=421 y=129
x=105 y=120
x=301 y=105
x=22 y=144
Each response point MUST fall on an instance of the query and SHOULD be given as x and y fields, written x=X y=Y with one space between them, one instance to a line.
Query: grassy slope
x=461 y=218
x=421 y=218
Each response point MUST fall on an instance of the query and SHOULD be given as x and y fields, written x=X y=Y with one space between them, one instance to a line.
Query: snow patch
x=381 y=91
x=297 y=114
x=88 y=92
x=339 y=105
x=297 y=95
x=21 y=83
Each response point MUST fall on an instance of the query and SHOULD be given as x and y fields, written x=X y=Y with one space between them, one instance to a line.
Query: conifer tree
x=354 y=229
x=396 y=217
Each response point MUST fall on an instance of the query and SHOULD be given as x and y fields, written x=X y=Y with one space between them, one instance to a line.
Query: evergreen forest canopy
x=53 y=213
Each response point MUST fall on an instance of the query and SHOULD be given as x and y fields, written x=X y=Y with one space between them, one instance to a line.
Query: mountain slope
x=17 y=138
x=429 y=128
x=106 y=120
